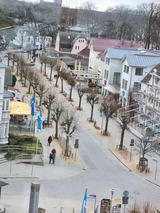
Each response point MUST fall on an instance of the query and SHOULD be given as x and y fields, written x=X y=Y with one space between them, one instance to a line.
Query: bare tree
x=92 y=98
x=63 y=76
x=89 y=16
x=51 y=64
x=48 y=101
x=124 y=121
x=70 y=124
x=108 y=106
x=58 y=108
x=41 y=90
x=81 y=91
x=71 y=81
x=30 y=75
x=45 y=62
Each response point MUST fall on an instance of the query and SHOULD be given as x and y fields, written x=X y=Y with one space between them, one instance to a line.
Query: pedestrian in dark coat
x=49 y=140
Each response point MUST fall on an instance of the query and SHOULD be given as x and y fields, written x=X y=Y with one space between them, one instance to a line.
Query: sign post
x=155 y=168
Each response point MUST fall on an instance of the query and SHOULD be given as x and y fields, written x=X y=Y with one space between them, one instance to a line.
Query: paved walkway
x=129 y=158
x=66 y=168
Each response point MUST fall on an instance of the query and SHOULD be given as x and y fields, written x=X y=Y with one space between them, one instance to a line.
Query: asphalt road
x=100 y=172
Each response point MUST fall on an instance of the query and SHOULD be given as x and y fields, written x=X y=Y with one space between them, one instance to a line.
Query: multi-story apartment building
x=4 y=108
x=148 y=98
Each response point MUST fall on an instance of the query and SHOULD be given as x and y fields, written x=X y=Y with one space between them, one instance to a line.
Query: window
x=139 y=71
x=3 y=106
x=124 y=84
x=126 y=69
x=106 y=74
x=7 y=105
x=75 y=47
x=107 y=60
x=116 y=78
x=137 y=86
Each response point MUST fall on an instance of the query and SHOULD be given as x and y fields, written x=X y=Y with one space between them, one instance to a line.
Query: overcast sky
x=101 y=4
x=104 y=4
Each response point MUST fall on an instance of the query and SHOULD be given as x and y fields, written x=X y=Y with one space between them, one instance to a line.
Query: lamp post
x=112 y=193
x=94 y=197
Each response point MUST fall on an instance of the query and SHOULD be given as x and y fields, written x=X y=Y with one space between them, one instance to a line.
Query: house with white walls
x=28 y=37
x=4 y=108
x=147 y=116
x=113 y=68
x=149 y=100
x=134 y=68
x=98 y=46
x=71 y=42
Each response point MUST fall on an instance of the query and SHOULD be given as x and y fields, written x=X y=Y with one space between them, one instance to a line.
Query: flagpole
x=37 y=142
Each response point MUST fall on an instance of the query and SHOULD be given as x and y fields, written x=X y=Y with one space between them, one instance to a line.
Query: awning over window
x=19 y=108
x=111 y=89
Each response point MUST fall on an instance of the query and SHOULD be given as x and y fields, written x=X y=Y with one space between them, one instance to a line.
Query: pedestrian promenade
x=129 y=158
x=65 y=168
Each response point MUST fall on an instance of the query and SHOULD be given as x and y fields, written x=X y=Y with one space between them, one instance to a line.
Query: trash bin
x=41 y=210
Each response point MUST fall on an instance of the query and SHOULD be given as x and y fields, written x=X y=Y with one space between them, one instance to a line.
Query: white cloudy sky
x=101 y=4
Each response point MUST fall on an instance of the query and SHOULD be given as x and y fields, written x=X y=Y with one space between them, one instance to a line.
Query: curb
x=152 y=182
x=18 y=177
x=130 y=170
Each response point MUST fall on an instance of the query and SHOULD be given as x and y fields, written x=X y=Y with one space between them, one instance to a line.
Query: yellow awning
x=19 y=108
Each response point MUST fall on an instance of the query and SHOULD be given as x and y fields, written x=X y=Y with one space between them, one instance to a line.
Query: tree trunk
x=8 y=61
x=92 y=108
x=61 y=85
x=50 y=78
x=67 y=145
x=56 y=133
x=48 y=115
x=41 y=67
x=80 y=100
x=29 y=89
x=70 y=95
x=106 y=126
x=56 y=84
x=122 y=136
x=17 y=70
x=45 y=69
x=40 y=101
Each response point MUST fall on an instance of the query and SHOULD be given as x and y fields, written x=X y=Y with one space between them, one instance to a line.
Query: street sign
x=132 y=142
x=126 y=193
x=76 y=145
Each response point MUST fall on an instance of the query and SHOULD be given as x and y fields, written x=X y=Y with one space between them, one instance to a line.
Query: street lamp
x=112 y=193
x=94 y=197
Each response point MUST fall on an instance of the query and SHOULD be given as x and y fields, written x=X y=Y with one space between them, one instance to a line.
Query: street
x=99 y=171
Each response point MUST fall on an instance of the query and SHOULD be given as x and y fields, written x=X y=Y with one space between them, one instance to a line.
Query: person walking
x=53 y=155
x=49 y=140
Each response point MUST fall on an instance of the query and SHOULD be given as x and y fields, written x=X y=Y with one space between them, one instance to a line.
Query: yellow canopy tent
x=19 y=108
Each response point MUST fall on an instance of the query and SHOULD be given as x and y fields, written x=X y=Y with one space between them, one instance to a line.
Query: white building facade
x=4 y=108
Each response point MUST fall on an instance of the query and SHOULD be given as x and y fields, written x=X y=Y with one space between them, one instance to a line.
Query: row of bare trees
x=36 y=82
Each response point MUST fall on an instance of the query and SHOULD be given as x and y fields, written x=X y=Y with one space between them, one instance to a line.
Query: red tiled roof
x=100 y=44
x=84 y=52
